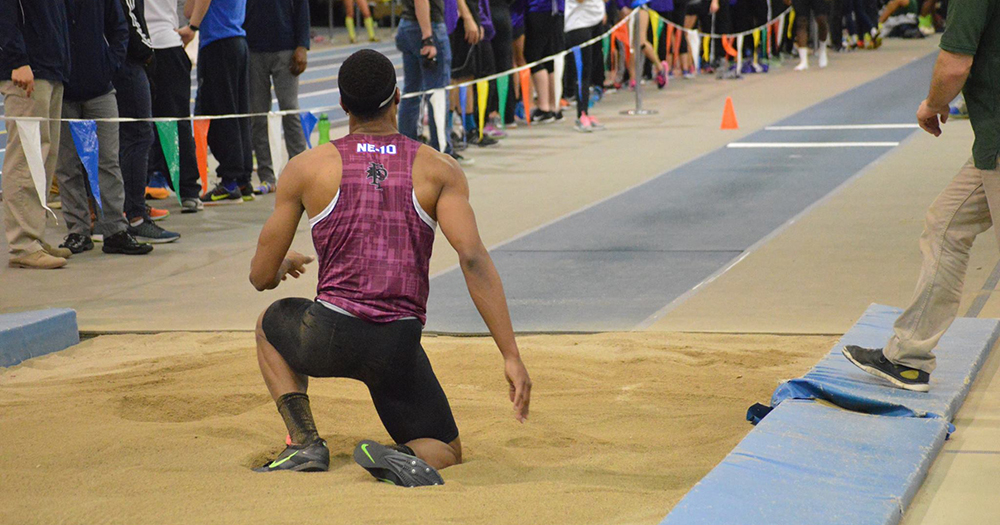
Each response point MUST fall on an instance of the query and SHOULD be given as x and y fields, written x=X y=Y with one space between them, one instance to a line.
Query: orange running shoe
x=157 y=193
x=157 y=214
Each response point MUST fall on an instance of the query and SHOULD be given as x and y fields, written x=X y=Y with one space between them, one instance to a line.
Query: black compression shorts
x=387 y=358
x=543 y=37
x=804 y=7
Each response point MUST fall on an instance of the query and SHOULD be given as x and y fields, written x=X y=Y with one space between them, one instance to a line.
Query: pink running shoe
x=494 y=132
x=661 y=77
x=594 y=124
x=631 y=85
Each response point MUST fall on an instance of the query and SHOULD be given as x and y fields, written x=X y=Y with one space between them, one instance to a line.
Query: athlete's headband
x=391 y=96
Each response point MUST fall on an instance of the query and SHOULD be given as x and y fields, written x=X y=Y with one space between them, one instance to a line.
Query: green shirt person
x=970 y=57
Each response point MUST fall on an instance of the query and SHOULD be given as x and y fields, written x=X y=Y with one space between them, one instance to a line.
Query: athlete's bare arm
x=274 y=262
x=458 y=223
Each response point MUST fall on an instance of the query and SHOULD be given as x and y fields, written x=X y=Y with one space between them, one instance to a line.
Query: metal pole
x=637 y=59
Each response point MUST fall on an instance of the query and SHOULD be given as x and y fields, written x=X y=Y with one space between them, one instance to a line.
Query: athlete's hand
x=927 y=117
x=24 y=79
x=713 y=7
x=520 y=387
x=471 y=30
x=294 y=264
x=187 y=35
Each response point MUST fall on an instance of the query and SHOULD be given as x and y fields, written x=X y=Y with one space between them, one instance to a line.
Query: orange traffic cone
x=729 y=116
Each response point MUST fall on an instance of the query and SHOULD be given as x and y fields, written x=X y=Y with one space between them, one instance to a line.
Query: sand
x=164 y=428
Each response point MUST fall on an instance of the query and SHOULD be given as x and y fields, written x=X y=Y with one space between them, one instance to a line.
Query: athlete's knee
x=456 y=448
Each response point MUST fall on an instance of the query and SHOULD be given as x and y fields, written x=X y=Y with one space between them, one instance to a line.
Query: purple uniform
x=374 y=240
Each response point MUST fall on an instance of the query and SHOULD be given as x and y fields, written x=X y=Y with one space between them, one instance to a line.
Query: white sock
x=803 y=59
x=136 y=222
x=823 y=61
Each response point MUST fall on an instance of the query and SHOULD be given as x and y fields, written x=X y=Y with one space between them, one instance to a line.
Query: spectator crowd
x=104 y=59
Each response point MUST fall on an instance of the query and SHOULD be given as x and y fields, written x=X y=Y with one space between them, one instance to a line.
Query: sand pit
x=163 y=429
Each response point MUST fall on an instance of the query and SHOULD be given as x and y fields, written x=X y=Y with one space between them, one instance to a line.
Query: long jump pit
x=165 y=428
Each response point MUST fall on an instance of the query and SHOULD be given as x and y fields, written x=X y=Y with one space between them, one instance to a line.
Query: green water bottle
x=324 y=129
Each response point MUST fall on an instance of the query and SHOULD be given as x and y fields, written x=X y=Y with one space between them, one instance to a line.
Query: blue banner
x=579 y=75
x=308 y=121
x=85 y=138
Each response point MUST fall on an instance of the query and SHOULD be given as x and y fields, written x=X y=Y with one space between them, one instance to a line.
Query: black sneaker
x=314 y=457
x=485 y=141
x=873 y=361
x=394 y=467
x=123 y=243
x=192 y=205
x=246 y=190
x=220 y=195
x=148 y=231
x=542 y=117
x=77 y=243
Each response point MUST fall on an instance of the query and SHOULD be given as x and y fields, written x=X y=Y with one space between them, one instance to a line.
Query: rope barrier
x=560 y=55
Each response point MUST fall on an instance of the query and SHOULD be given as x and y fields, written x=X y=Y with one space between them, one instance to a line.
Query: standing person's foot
x=264 y=188
x=392 y=466
x=594 y=124
x=463 y=161
x=37 y=261
x=157 y=214
x=224 y=193
x=314 y=457
x=661 y=77
x=483 y=142
x=247 y=191
x=582 y=125
x=157 y=194
x=61 y=251
x=823 y=60
x=77 y=243
x=873 y=361
x=493 y=130
x=542 y=117
x=150 y=232
x=123 y=243
x=192 y=205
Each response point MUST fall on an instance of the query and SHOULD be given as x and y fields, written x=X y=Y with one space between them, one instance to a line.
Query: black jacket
x=99 y=38
x=140 y=49
x=35 y=33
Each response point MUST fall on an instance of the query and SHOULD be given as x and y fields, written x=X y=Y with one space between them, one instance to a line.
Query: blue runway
x=613 y=265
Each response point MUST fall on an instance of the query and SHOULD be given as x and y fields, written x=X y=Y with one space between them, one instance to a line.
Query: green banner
x=502 y=87
x=171 y=153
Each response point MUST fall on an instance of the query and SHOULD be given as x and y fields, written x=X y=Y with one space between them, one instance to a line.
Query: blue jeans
x=135 y=138
x=418 y=78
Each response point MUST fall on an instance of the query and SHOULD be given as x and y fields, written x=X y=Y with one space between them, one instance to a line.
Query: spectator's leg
x=286 y=88
x=71 y=176
x=132 y=94
x=261 y=65
x=111 y=218
x=408 y=42
x=242 y=59
x=24 y=216
x=219 y=83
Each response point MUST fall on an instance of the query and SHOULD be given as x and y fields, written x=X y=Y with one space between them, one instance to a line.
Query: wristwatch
x=193 y=27
x=429 y=41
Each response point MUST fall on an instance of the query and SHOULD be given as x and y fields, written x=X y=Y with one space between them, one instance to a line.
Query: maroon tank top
x=374 y=240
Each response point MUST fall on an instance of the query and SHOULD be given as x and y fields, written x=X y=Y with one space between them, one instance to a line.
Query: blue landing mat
x=25 y=335
x=809 y=463
x=961 y=354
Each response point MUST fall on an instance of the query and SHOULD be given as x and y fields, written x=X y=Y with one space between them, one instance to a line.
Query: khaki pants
x=961 y=212
x=24 y=216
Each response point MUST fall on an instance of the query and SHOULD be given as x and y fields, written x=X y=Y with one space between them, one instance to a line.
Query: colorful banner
x=578 y=59
x=791 y=22
x=308 y=121
x=705 y=46
x=503 y=91
x=87 y=148
x=525 y=75
x=275 y=142
x=201 y=150
x=655 y=23
x=463 y=99
x=31 y=141
x=694 y=44
x=756 y=45
x=482 y=96
x=171 y=153
x=606 y=47
x=439 y=108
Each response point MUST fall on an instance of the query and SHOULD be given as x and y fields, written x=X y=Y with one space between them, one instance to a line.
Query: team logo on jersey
x=376 y=174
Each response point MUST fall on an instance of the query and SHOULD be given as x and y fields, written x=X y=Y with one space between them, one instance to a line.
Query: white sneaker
x=823 y=60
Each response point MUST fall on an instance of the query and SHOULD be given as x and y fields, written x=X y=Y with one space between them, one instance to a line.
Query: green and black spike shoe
x=314 y=457
x=392 y=466
x=873 y=361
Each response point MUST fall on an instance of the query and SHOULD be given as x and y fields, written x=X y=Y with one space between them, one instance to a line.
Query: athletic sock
x=823 y=60
x=370 y=26
x=470 y=123
x=803 y=57
x=294 y=410
x=349 y=22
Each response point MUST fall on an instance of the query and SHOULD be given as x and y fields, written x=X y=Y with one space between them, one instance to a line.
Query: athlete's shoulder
x=311 y=162
x=435 y=165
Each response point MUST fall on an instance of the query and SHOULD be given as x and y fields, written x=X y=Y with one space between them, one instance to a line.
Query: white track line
x=841 y=126
x=812 y=144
